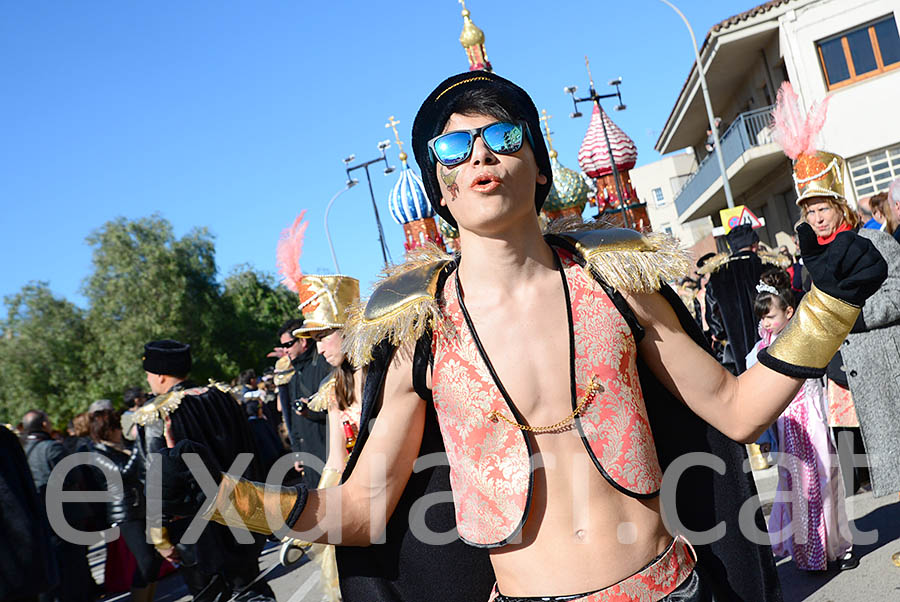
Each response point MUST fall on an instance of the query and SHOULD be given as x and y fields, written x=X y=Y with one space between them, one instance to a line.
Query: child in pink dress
x=808 y=519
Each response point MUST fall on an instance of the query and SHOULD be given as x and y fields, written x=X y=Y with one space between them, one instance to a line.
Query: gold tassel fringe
x=642 y=269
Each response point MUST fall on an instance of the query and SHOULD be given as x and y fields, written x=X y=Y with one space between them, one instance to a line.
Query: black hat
x=167 y=357
x=442 y=103
x=740 y=237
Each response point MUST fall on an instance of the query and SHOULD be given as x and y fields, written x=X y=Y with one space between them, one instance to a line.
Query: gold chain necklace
x=592 y=389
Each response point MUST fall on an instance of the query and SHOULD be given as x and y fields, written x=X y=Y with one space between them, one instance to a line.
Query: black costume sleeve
x=317 y=415
x=713 y=315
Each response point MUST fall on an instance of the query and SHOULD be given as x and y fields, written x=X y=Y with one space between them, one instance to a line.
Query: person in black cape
x=184 y=418
x=732 y=291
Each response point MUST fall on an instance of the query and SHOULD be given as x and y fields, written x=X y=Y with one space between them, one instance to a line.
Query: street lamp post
x=382 y=146
x=350 y=184
x=709 y=110
x=595 y=98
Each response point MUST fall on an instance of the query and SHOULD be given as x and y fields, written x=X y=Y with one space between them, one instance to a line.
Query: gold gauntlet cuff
x=255 y=507
x=816 y=331
x=160 y=538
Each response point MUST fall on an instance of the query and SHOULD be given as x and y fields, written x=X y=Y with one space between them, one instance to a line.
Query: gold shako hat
x=324 y=301
x=816 y=173
x=819 y=174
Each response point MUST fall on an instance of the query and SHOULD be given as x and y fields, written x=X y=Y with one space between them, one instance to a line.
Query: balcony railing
x=748 y=130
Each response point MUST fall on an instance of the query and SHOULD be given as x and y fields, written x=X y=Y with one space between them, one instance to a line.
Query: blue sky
x=235 y=116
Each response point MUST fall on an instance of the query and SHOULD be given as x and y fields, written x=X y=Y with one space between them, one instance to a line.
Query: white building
x=849 y=49
x=657 y=184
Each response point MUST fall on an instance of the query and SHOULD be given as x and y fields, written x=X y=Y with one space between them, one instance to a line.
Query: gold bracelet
x=813 y=336
x=592 y=389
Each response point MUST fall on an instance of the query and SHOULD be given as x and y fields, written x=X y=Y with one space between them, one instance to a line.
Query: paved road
x=876 y=537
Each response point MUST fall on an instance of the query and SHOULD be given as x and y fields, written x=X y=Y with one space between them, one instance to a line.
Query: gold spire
x=546 y=119
x=587 y=63
x=393 y=125
x=472 y=40
x=471 y=35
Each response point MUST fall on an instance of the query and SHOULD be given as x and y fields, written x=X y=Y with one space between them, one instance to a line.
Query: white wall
x=863 y=116
x=668 y=174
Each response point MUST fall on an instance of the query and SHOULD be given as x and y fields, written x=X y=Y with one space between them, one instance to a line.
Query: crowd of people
x=642 y=380
x=269 y=417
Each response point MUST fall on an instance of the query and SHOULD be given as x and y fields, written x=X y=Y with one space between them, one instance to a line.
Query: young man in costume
x=555 y=458
x=182 y=419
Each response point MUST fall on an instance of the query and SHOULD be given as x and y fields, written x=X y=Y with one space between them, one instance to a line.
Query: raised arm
x=845 y=274
x=740 y=407
x=357 y=510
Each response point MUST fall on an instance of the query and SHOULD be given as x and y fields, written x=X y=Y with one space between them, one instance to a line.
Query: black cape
x=404 y=569
x=732 y=288
x=212 y=425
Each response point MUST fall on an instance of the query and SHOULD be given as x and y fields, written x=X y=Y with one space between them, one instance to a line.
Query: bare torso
x=580 y=530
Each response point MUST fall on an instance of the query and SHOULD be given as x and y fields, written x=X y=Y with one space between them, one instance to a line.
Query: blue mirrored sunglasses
x=501 y=137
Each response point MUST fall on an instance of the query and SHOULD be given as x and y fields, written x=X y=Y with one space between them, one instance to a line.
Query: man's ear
x=541 y=179
x=443 y=202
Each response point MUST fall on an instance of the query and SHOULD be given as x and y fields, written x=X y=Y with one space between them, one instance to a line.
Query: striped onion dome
x=593 y=157
x=569 y=189
x=408 y=201
x=448 y=232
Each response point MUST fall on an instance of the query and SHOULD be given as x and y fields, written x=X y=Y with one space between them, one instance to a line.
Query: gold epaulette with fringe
x=402 y=306
x=322 y=398
x=629 y=261
x=715 y=263
x=719 y=261
x=157 y=409
x=284 y=371
x=776 y=259
x=163 y=405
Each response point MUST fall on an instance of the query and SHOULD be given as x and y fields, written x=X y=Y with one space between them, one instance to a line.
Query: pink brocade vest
x=490 y=462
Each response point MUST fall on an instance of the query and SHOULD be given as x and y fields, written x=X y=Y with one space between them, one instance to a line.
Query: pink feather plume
x=794 y=131
x=290 y=246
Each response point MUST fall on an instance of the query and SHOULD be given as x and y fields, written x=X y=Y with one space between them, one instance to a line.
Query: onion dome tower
x=450 y=235
x=569 y=193
x=409 y=204
x=472 y=39
x=604 y=145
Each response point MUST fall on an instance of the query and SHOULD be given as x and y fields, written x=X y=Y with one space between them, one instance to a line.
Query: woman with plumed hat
x=871 y=352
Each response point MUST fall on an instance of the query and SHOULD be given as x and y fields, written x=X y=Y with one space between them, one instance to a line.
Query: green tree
x=147 y=285
x=253 y=308
x=42 y=363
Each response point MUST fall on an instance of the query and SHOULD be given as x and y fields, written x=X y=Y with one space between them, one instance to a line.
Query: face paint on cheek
x=449 y=178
